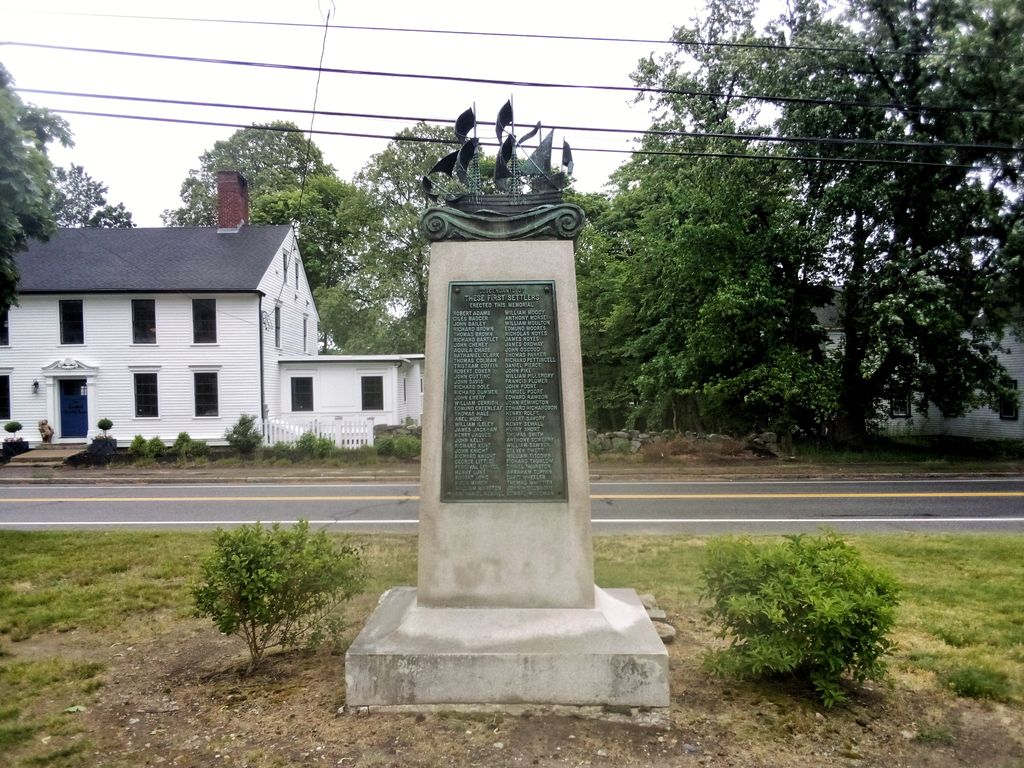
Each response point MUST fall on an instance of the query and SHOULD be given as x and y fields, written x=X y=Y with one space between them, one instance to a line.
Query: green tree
x=79 y=200
x=897 y=185
x=330 y=218
x=273 y=157
x=354 y=322
x=701 y=281
x=24 y=179
x=927 y=239
x=398 y=254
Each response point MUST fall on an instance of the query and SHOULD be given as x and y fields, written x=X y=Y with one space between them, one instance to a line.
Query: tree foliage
x=703 y=279
x=24 y=180
x=273 y=157
x=709 y=271
x=398 y=253
x=78 y=200
x=330 y=220
x=922 y=242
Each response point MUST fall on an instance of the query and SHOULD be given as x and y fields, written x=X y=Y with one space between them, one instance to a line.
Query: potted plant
x=13 y=445
x=103 y=446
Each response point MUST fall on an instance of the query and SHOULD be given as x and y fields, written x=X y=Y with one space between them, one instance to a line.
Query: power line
x=522 y=83
x=312 y=116
x=577 y=128
x=428 y=140
x=552 y=37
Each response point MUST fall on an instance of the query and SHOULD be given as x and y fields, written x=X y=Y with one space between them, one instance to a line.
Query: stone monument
x=506 y=614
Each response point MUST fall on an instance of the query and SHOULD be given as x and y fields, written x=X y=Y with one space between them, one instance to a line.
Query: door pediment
x=70 y=366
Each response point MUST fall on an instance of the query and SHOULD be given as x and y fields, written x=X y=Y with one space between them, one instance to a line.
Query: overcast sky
x=143 y=163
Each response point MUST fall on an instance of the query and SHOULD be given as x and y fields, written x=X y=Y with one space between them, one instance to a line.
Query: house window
x=405 y=390
x=206 y=393
x=5 y=333
x=284 y=265
x=373 y=393
x=296 y=274
x=72 y=325
x=146 y=396
x=277 y=326
x=143 y=321
x=302 y=393
x=1008 y=406
x=5 y=397
x=305 y=334
x=899 y=407
x=204 y=321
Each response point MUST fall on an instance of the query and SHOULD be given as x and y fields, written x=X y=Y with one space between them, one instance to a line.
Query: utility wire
x=312 y=114
x=574 y=128
x=522 y=83
x=428 y=140
x=535 y=36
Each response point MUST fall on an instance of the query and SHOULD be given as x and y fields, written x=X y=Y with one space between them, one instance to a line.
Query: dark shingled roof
x=190 y=259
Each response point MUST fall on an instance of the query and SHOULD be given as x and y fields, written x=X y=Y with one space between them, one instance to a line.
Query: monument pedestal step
x=408 y=656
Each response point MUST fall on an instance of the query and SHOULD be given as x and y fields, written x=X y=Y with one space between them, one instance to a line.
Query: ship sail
x=465 y=123
x=505 y=119
x=463 y=158
x=502 y=165
x=516 y=179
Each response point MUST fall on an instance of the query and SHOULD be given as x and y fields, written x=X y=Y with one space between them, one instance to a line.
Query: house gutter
x=263 y=394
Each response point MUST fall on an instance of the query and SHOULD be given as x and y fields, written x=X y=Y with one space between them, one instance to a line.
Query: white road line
x=255 y=486
x=596 y=520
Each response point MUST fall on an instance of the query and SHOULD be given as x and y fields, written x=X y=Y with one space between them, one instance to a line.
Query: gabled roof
x=196 y=259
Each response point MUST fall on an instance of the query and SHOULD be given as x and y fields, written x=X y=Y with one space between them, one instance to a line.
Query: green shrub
x=808 y=607
x=137 y=448
x=13 y=426
x=103 y=425
x=277 y=586
x=245 y=436
x=406 y=447
x=141 y=448
x=312 y=445
x=187 y=449
x=385 y=446
x=278 y=452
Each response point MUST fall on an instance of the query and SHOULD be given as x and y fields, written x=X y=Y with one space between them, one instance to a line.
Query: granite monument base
x=411 y=657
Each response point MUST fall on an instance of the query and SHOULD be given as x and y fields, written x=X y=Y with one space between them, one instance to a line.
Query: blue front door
x=74 y=408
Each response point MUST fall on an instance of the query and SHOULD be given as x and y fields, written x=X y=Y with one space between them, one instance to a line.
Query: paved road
x=927 y=505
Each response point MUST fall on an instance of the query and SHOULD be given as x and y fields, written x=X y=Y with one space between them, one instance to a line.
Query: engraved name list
x=503 y=435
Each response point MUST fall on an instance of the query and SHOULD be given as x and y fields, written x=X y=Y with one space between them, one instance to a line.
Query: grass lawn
x=75 y=606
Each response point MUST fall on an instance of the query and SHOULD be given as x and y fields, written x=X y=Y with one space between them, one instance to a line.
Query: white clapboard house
x=169 y=330
x=901 y=417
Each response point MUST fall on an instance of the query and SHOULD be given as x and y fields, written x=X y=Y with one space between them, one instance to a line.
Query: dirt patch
x=172 y=695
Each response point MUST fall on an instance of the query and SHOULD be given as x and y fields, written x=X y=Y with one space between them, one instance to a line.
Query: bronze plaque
x=503 y=435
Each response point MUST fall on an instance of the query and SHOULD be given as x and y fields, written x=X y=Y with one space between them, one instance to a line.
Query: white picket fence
x=346 y=432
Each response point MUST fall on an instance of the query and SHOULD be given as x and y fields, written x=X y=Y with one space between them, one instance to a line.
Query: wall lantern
x=35 y=387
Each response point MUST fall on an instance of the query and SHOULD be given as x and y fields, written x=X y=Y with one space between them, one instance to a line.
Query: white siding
x=337 y=388
x=981 y=423
x=408 y=394
x=112 y=359
x=296 y=304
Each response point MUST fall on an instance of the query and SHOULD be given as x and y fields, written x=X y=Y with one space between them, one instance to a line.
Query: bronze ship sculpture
x=527 y=201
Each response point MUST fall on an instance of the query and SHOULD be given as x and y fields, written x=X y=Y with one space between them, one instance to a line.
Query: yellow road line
x=596 y=497
x=871 y=495
x=122 y=499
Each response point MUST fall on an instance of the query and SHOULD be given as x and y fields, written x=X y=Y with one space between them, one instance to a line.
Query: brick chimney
x=232 y=200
